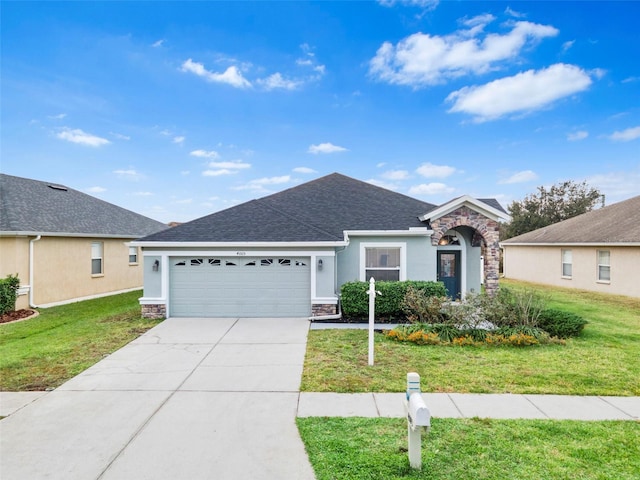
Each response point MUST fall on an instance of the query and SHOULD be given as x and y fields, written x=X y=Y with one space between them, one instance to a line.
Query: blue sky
x=177 y=110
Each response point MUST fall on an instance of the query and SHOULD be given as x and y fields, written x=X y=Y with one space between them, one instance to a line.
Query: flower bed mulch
x=16 y=315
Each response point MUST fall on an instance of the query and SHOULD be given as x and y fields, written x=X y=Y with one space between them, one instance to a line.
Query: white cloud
x=179 y=140
x=512 y=13
x=520 y=177
x=430 y=189
x=616 y=185
x=261 y=183
x=184 y=201
x=96 y=189
x=78 y=136
x=395 y=175
x=205 y=153
x=325 y=148
x=119 y=136
x=231 y=76
x=429 y=170
x=219 y=172
x=577 y=136
x=276 y=80
x=625 y=135
x=129 y=174
x=524 y=92
x=383 y=184
x=423 y=59
x=237 y=165
x=630 y=79
x=143 y=194
x=185 y=172
x=305 y=170
x=157 y=43
x=426 y=4
x=59 y=116
x=567 y=45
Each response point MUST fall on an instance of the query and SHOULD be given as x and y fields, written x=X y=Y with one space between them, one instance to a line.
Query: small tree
x=560 y=202
x=8 y=293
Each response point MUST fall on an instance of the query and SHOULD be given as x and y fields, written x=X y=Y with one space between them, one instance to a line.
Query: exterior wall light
x=320 y=264
x=156 y=265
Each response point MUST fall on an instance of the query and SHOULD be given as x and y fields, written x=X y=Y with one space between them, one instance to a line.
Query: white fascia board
x=470 y=202
x=66 y=234
x=571 y=244
x=237 y=245
x=413 y=231
x=237 y=253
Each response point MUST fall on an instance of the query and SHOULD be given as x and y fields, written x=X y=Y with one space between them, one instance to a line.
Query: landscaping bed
x=603 y=360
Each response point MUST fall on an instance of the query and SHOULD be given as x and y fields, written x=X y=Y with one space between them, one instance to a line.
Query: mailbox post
x=418 y=417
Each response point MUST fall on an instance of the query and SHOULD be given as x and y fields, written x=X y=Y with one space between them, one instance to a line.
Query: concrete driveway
x=190 y=399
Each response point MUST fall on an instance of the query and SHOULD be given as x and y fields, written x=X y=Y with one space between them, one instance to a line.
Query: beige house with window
x=65 y=245
x=597 y=251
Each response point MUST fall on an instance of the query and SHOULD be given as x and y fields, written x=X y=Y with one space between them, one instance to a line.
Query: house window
x=604 y=266
x=96 y=258
x=382 y=263
x=567 y=263
x=133 y=254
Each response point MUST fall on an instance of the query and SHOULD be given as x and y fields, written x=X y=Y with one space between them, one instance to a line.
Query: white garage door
x=240 y=287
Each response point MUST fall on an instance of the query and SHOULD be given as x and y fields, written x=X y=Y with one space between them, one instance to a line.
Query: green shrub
x=8 y=293
x=355 y=300
x=561 y=324
x=422 y=308
x=512 y=308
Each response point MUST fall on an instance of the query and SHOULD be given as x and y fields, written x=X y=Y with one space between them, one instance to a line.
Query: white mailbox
x=419 y=415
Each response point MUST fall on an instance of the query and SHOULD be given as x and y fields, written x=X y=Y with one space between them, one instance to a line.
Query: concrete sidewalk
x=464 y=405
x=191 y=398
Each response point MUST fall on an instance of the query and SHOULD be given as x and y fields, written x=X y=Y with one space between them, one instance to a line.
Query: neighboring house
x=597 y=251
x=287 y=254
x=65 y=245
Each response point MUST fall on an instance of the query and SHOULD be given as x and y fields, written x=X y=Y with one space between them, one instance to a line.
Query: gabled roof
x=487 y=206
x=318 y=211
x=34 y=207
x=616 y=223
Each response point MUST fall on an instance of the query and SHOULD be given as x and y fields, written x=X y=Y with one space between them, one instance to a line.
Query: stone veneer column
x=154 y=311
x=487 y=228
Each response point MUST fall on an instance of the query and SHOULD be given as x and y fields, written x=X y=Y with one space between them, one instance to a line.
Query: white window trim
x=101 y=257
x=363 y=257
x=598 y=265
x=137 y=255
x=563 y=263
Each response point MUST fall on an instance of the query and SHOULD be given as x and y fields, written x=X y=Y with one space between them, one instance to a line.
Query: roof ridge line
x=275 y=209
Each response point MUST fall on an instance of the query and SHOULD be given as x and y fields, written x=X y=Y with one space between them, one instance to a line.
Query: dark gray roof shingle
x=616 y=223
x=320 y=210
x=40 y=207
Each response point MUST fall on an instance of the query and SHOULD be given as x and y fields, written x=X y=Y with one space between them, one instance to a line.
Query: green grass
x=604 y=360
x=459 y=449
x=45 y=351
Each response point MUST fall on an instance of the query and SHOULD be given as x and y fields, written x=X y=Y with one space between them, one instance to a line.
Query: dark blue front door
x=449 y=272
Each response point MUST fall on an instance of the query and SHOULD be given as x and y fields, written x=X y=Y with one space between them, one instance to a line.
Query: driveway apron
x=190 y=399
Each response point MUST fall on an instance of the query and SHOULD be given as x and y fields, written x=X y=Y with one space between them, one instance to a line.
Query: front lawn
x=45 y=351
x=604 y=360
x=474 y=449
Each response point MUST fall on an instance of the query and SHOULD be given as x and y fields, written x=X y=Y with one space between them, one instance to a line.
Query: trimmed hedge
x=561 y=324
x=8 y=293
x=355 y=301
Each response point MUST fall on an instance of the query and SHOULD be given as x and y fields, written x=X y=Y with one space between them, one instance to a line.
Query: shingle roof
x=320 y=210
x=616 y=223
x=40 y=207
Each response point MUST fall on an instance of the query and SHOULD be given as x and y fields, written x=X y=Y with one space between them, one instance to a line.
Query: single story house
x=65 y=245
x=597 y=251
x=287 y=254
